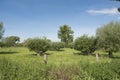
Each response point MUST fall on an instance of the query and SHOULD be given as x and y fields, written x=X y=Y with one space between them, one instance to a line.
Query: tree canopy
x=108 y=37
x=11 y=41
x=39 y=45
x=65 y=34
x=1 y=30
x=85 y=44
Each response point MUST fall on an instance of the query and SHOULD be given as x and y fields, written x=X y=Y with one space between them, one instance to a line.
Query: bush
x=11 y=41
x=39 y=45
x=2 y=44
x=71 y=45
x=57 y=46
x=85 y=44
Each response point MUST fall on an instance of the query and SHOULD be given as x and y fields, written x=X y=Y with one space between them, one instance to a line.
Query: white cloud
x=110 y=11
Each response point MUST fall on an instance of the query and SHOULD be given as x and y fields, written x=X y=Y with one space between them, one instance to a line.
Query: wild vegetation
x=67 y=60
x=18 y=63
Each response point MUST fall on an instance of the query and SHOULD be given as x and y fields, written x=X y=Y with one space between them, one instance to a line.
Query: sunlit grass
x=18 y=63
x=64 y=56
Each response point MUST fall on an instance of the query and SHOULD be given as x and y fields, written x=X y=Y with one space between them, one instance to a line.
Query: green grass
x=18 y=63
x=65 y=56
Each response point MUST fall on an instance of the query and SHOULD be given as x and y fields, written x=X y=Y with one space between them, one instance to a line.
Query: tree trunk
x=110 y=54
x=45 y=58
x=97 y=57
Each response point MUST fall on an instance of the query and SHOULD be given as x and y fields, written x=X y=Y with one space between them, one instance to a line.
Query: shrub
x=11 y=41
x=57 y=46
x=71 y=45
x=85 y=44
x=39 y=45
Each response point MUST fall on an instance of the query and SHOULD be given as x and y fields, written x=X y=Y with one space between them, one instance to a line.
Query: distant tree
x=65 y=34
x=108 y=37
x=11 y=41
x=85 y=44
x=1 y=30
x=39 y=45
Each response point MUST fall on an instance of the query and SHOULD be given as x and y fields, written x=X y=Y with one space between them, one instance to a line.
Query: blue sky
x=37 y=18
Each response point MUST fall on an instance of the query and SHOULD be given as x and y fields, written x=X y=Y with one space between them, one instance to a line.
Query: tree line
x=107 y=38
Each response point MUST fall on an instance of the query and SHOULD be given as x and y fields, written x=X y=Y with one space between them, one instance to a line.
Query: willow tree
x=108 y=37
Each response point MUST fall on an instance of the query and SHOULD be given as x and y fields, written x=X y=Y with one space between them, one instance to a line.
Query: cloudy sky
x=37 y=18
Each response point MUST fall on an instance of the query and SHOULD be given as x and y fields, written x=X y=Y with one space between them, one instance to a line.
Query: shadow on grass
x=115 y=57
x=57 y=50
x=8 y=52
x=103 y=55
x=100 y=55
x=61 y=50
x=79 y=53
x=35 y=54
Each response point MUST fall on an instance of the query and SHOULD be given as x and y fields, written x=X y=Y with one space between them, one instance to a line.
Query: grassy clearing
x=65 y=56
x=21 y=64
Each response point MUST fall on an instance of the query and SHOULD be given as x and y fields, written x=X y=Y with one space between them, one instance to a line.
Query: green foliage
x=102 y=71
x=71 y=45
x=57 y=46
x=108 y=37
x=2 y=44
x=1 y=30
x=11 y=41
x=39 y=45
x=85 y=44
x=11 y=70
x=65 y=34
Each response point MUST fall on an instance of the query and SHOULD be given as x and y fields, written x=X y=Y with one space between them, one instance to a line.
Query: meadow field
x=18 y=63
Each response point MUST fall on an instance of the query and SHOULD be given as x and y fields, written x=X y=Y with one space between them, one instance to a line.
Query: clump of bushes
x=56 y=46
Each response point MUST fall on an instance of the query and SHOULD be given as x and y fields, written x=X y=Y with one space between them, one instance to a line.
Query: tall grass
x=11 y=70
x=21 y=64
